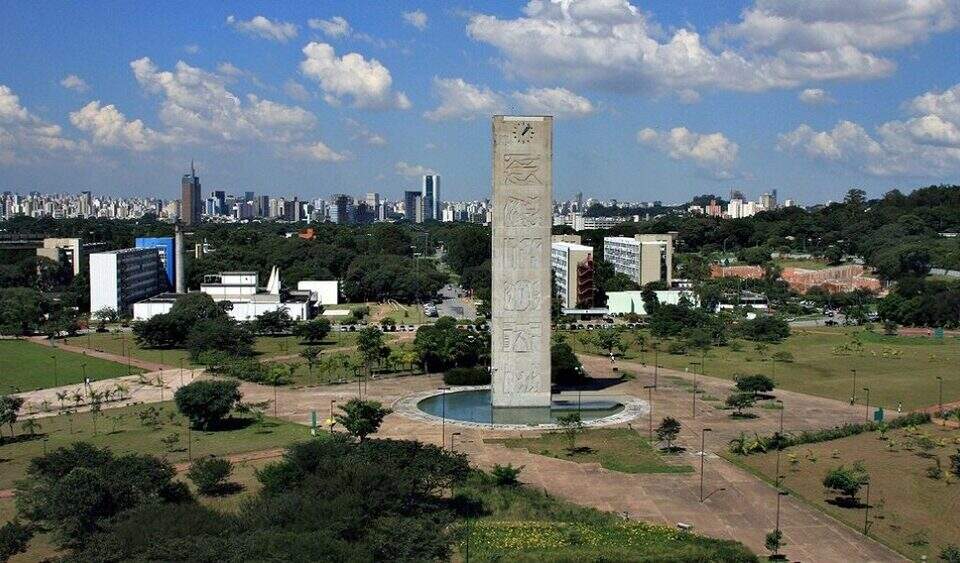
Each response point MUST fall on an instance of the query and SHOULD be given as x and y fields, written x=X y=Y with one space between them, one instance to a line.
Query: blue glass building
x=167 y=254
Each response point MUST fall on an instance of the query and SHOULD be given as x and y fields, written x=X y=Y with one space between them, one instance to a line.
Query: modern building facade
x=430 y=196
x=413 y=206
x=643 y=258
x=191 y=203
x=165 y=246
x=341 y=208
x=572 y=266
x=120 y=278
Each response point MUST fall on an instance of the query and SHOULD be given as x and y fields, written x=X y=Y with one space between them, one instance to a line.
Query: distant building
x=430 y=196
x=164 y=246
x=322 y=292
x=626 y=302
x=413 y=206
x=643 y=258
x=191 y=204
x=572 y=267
x=71 y=251
x=341 y=209
x=120 y=278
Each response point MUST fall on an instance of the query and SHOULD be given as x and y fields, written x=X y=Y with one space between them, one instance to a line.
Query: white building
x=247 y=300
x=572 y=266
x=643 y=258
x=321 y=292
x=120 y=278
x=625 y=302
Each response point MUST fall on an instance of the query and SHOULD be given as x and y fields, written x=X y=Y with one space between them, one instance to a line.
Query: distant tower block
x=520 y=320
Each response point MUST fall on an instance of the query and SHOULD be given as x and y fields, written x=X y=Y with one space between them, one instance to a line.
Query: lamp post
x=650 y=389
x=332 y=420
x=866 y=511
x=694 y=413
x=703 y=434
x=940 y=400
x=443 y=417
x=181 y=372
x=452 y=436
x=779 y=494
x=656 y=364
x=54 y=358
x=867 y=415
x=853 y=398
x=779 y=442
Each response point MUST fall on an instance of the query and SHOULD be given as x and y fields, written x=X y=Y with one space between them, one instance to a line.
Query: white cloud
x=412 y=170
x=192 y=48
x=614 y=45
x=296 y=90
x=711 y=151
x=367 y=82
x=815 y=97
x=264 y=28
x=461 y=100
x=229 y=69
x=926 y=144
x=335 y=27
x=360 y=131
x=25 y=137
x=75 y=83
x=109 y=127
x=198 y=105
x=416 y=18
x=317 y=151
x=553 y=101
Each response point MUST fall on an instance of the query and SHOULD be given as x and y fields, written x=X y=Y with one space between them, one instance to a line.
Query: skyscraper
x=341 y=208
x=221 y=198
x=191 y=206
x=412 y=203
x=430 y=196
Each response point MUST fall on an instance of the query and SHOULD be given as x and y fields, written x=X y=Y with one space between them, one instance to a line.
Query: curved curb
x=407 y=406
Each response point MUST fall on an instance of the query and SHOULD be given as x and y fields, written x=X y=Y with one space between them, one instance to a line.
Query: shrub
x=740 y=401
x=467 y=376
x=14 y=538
x=361 y=418
x=950 y=554
x=668 y=431
x=208 y=401
x=506 y=475
x=754 y=384
x=677 y=348
x=565 y=367
x=847 y=480
x=210 y=474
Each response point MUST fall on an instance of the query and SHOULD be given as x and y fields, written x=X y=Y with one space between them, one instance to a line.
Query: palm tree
x=62 y=396
x=121 y=390
x=30 y=425
x=77 y=398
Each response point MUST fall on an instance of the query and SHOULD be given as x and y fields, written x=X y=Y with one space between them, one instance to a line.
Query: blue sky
x=655 y=100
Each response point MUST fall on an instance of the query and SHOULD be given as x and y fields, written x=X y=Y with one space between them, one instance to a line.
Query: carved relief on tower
x=521 y=169
x=522 y=295
x=521 y=337
x=522 y=212
x=522 y=252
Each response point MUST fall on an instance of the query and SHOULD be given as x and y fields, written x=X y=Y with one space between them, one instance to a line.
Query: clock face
x=523 y=132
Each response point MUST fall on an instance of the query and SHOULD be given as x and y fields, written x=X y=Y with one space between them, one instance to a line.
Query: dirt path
x=136 y=362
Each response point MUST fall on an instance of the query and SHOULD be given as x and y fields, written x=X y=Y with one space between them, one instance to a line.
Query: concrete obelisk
x=520 y=316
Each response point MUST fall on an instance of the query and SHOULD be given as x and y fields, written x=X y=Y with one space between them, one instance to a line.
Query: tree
x=570 y=425
x=741 y=401
x=273 y=322
x=847 y=480
x=754 y=384
x=311 y=354
x=950 y=553
x=773 y=542
x=506 y=475
x=668 y=430
x=313 y=331
x=206 y=402
x=565 y=367
x=955 y=463
x=361 y=418
x=370 y=345
x=14 y=538
x=74 y=490
x=833 y=255
x=9 y=411
x=764 y=329
x=210 y=474
x=31 y=426
x=607 y=339
x=443 y=345
x=21 y=310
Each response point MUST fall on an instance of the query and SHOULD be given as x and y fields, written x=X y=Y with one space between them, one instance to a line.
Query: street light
x=694 y=389
x=779 y=494
x=780 y=441
x=443 y=417
x=181 y=372
x=650 y=389
x=54 y=358
x=332 y=420
x=452 y=436
x=940 y=408
x=867 y=415
x=866 y=511
x=703 y=434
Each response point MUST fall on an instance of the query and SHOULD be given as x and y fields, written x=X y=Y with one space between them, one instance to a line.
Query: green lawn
x=895 y=368
x=26 y=365
x=123 y=343
x=122 y=431
x=805 y=264
x=910 y=511
x=616 y=449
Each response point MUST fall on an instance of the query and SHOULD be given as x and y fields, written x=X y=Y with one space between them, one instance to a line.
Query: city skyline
x=316 y=100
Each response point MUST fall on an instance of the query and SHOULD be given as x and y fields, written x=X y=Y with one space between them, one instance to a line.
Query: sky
x=653 y=100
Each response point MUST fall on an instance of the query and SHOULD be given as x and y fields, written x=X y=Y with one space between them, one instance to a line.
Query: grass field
x=266 y=346
x=122 y=431
x=616 y=449
x=805 y=264
x=895 y=368
x=909 y=511
x=26 y=365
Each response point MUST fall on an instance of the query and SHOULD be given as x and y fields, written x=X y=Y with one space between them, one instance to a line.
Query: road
x=456 y=304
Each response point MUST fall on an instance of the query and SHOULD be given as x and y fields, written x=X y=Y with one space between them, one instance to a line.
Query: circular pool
x=470 y=406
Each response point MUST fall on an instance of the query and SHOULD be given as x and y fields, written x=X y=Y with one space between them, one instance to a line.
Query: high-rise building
x=120 y=278
x=572 y=266
x=413 y=206
x=372 y=200
x=165 y=247
x=191 y=206
x=262 y=209
x=643 y=258
x=341 y=209
x=430 y=194
x=221 y=198
x=248 y=196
